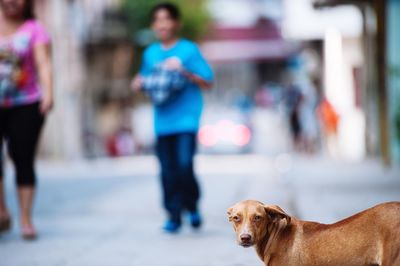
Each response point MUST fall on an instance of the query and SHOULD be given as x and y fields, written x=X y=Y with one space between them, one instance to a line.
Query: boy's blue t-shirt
x=183 y=113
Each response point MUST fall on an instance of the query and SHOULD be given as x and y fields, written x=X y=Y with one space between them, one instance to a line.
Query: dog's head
x=251 y=220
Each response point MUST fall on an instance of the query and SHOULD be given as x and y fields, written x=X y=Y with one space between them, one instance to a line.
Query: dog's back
x=371 y=237
x=373 y=234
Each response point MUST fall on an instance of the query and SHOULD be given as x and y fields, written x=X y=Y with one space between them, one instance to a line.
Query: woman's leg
x=4 y=214
x=23 y=133
x=5 y=218
x=25 y=196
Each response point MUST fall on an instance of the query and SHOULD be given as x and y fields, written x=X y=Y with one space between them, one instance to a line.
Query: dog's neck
x=266 y=246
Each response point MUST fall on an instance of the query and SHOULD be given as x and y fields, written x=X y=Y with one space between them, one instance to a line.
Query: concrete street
x=108 y=213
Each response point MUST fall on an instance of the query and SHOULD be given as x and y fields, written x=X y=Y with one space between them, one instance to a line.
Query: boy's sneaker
x=171 y=227
x=195 y=219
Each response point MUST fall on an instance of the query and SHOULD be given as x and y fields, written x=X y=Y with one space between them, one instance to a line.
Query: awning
x=248 y=50
x=330 y=3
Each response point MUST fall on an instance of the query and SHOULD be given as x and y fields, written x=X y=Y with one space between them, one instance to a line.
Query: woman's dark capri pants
x=20 y=129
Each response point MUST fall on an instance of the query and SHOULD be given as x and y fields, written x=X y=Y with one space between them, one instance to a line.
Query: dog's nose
x=245 y=238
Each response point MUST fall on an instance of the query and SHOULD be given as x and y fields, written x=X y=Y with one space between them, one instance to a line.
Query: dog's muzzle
x=246 y=240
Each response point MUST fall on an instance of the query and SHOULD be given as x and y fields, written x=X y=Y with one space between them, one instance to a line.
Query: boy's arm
x=199 y=81
x=199 y=71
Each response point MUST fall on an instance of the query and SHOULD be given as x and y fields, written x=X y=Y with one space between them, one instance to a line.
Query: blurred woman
x=26 y=97
x=177 y=112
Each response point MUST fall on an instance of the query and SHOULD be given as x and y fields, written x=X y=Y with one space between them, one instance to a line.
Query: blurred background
x=335 y=63
x=264 y=53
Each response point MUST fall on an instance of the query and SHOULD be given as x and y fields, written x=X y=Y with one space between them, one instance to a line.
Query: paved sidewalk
x=326 y=191
x=108 y=213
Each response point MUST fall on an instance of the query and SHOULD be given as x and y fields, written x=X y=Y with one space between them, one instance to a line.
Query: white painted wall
x=302 y=22
x=244 y=13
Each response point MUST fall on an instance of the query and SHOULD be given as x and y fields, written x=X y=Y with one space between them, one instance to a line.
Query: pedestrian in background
x=177 y=61
x=293 y=100
x=329 y=120
x=26 y=97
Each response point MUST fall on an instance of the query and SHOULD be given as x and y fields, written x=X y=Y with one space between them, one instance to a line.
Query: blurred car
x=225 y=131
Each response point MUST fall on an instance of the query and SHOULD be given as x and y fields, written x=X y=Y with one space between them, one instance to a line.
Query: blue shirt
x=183 y=113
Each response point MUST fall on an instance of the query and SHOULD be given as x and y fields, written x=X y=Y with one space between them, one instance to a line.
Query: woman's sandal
x=29 y=233
x=5 y=225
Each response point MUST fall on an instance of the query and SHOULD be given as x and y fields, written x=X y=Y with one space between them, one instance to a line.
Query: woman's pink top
x=19 y=84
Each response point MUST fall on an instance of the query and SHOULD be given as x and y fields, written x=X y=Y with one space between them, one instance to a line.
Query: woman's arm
x=43 y=62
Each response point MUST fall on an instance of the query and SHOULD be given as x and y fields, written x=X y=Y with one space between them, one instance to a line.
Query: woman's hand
x=44 y=67
x=46 y=104
x=137 y=83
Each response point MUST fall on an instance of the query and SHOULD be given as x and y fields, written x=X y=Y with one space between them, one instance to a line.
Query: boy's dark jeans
x=180 y=188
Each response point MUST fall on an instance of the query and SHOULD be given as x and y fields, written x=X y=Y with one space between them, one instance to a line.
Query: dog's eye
x=257 y=218
x=236 y=219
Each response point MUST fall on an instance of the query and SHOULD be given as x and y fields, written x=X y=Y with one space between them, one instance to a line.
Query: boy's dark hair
x=28 y=12
x=172 y=9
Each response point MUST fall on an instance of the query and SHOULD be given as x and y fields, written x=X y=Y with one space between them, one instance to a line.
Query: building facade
x=76 y=27
x=381 y=39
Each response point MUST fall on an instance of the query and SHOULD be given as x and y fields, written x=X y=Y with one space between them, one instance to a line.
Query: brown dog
x=371 y=237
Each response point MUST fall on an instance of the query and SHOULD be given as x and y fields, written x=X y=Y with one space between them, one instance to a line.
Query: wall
x=393 y=61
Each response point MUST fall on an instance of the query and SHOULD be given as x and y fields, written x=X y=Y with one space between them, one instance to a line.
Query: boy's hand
x=173 y=63
x=46 y=104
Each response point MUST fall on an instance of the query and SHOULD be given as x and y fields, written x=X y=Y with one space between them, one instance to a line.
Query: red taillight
x=242 y=136
x=225 y=131
x=207 y=136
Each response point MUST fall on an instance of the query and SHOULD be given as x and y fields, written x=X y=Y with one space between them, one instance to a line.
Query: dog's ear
x=276 y=213
x=229 y=212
